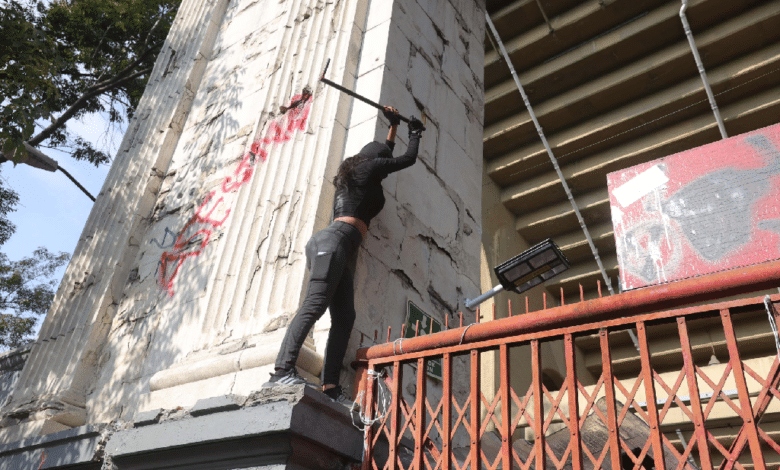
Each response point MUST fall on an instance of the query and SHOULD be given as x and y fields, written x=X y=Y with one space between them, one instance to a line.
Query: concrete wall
x=191 y=264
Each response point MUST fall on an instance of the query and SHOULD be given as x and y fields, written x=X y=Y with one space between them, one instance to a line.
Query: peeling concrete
x=240 y=81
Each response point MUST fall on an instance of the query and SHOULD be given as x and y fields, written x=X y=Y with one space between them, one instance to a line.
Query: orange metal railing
x=605 y=414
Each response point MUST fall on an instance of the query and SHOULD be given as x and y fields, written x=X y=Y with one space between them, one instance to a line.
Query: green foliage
x=26 y=290
x=68 y=58
x=26 y=286
x=27 y=63
x=8 y=199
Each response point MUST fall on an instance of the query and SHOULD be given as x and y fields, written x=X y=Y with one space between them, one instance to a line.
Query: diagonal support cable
x=702 y=72
x=550 y=154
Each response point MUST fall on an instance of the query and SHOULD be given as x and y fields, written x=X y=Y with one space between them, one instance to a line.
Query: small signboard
x=427 y=326
x=708 y=209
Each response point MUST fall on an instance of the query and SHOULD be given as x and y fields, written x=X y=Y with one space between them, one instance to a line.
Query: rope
x=464 y=334
x=772 y=323
x=383 y=405
x=400 y=342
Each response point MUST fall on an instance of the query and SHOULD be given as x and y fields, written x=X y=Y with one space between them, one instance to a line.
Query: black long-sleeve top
x=364 y=198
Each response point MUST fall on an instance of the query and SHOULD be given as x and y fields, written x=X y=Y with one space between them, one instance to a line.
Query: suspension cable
x=539 y=130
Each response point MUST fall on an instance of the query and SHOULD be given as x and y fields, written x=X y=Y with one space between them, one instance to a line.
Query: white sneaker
x=290 y=378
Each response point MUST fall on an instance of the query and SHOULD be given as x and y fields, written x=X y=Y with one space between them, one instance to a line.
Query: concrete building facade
x=191 y=263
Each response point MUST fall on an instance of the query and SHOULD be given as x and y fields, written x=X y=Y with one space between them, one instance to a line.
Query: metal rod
x=355 y=95
x=762 y=402
x=551 y=155
x=475 y=456
x=609 y=388
x=652 y=406
x=574 y=410
x=684 y=444
x=506 y=405
x=419 y=417
x=745 y=408
x=538 y=395
x=82 y=188
x=471 y=303
x=702 y=72
x=446 y=412
x=700 y=429
x=395 y=424
x=368 y=434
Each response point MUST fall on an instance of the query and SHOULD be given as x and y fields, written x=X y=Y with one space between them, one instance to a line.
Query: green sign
x=428 y=325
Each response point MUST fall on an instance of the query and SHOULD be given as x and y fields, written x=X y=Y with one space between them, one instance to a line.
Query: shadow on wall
x=162 y=299
x=11 y=364
x=194 y=236
x=176 y=280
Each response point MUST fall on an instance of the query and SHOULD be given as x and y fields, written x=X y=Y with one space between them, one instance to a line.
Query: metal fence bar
x=650 y=397
x=536 y=374
x=476 y=461
x=368 y=405
x=574 y=407
x=745 y=408
x=609 y=388
x=395 y=413
x=628 y=304
x=700 y=431
x=761 y=405
x=555 y=324
x=506 y=407
x=446 y=412
x=419 y=422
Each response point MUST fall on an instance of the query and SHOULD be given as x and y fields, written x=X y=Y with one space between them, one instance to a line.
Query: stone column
x=192 y=264
x=50 y=394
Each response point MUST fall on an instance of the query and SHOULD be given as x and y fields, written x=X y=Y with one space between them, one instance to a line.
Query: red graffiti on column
x=279 y=131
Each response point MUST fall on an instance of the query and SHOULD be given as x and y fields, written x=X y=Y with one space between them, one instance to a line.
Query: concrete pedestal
x=287 y=427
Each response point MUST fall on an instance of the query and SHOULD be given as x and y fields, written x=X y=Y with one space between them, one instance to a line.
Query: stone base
x=284 y=427
x=244 y=382
x=281 y=427
x=30 y=428
x=77 y=448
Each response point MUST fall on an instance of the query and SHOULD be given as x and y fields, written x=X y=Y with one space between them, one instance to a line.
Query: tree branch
x=91 y=92
x=149 y=34
x=81 y=102
x=127 y=69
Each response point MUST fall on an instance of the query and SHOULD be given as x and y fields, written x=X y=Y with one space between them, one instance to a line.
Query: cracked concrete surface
x=132 y=346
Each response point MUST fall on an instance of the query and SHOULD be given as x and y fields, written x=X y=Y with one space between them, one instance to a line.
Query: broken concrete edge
x=77 y=446
x=14 y=359
x=294 y=413
x=57 y=437
x=206 y=406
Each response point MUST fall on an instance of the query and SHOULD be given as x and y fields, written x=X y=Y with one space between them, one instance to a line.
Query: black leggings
x=330 y=285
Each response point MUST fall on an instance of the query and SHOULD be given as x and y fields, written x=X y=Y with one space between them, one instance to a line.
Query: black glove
x=416 y=127
x=393 y=117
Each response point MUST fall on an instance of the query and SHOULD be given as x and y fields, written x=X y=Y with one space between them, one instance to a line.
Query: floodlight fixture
x=530 y=268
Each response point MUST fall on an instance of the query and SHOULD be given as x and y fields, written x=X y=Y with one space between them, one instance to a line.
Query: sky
x=52 y=211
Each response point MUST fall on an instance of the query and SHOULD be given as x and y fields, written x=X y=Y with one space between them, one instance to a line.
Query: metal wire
x=400 y=342
x=539 y=130
x=384 y=400
x=561 y=157
x=772 y=323
x=702 y=72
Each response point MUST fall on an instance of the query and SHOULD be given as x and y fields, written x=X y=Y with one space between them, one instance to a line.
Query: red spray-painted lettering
x=279 y=131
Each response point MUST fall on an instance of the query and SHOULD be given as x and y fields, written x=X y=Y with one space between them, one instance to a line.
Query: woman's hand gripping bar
x=355 y=95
